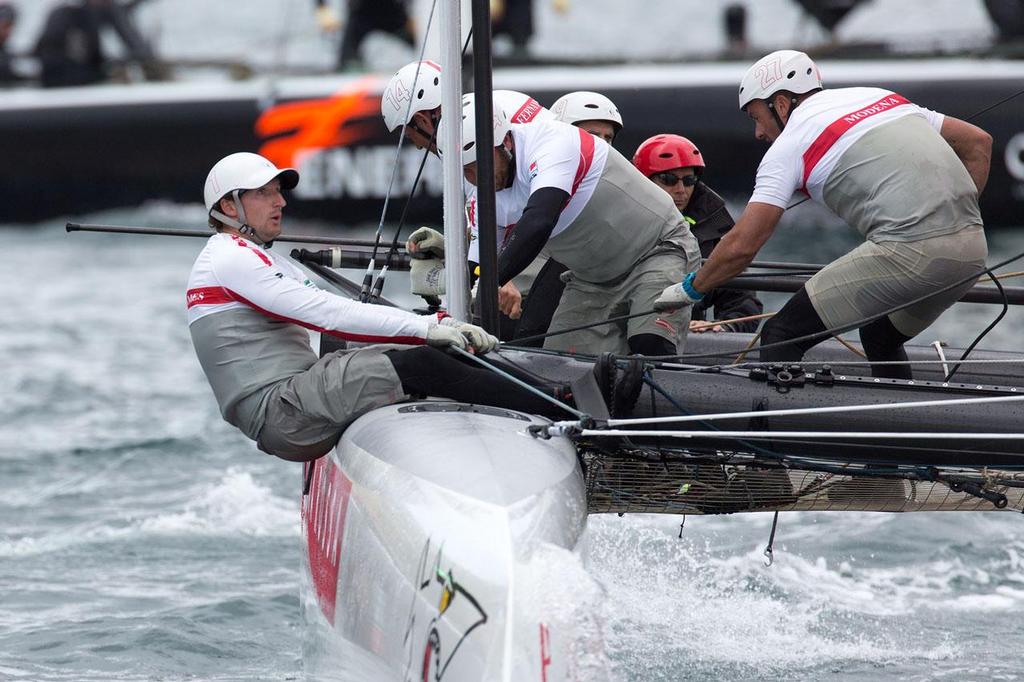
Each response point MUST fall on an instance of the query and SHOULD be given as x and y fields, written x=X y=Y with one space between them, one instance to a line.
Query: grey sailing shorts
x=880 y=275
x=306 y=413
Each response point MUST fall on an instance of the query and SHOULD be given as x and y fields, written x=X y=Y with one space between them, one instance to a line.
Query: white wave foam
x=682 y=602
x=236 y=504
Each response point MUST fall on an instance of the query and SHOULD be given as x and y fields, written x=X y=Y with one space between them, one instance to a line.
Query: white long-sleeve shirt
x=246 y=309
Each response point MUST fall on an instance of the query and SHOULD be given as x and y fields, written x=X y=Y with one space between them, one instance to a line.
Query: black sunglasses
x=670 y=179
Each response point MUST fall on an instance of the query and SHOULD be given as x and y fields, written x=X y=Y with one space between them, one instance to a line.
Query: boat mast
x=487 y=288
x=456 y=278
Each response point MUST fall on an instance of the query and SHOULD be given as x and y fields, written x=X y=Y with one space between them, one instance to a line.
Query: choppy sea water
x=142 y=538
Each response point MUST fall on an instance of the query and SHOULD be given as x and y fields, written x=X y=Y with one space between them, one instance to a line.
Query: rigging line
x=371 y=266
x=378 y=284
x=797 y=411
x=999 y=318
x=827 y=435
x=664 y=394
x=518 y=382
x=861 y=363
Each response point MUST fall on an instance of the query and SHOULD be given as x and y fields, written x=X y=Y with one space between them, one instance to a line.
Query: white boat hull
x=427 y=531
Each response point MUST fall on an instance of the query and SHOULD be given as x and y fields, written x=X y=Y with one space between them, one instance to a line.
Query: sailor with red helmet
x=676 y=165
x=249 y=310
x=905 y=177
x=561 y=189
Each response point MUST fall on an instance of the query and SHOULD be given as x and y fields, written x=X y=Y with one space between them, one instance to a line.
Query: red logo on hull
x=323 y=516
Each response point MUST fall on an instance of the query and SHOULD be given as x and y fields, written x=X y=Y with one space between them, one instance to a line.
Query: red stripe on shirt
x=586 y=159
x=207 y=296
x=219 y=295
x=527 y=112
x=245 y=244
x=837 y=128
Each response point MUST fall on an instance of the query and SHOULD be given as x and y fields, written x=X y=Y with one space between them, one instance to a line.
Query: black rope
x=999 y=318
x=768 y=552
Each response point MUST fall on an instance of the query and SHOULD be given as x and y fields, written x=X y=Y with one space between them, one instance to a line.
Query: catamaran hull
x=424 y=533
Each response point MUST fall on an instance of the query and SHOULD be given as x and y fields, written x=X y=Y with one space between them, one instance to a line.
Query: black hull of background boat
x=73 y=152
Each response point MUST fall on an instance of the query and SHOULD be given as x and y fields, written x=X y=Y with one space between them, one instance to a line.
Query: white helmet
x=418 y=83
x=238 y=172
x=781 y=70
x=501 y=128
x=586 y=106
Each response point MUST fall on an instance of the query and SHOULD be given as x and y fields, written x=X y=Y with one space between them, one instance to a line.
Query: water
x=142 y=538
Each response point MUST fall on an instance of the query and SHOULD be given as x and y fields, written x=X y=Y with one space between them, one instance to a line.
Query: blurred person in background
x=8 y=17
x=676 y=165
x=70 y=47
x=365 y=17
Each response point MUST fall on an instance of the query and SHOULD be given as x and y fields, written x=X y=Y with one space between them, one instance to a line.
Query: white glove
x=678 y=295
x=445 y=336
x=426 y=277
x=425 y=242
x=479 y=340
x=327 y=19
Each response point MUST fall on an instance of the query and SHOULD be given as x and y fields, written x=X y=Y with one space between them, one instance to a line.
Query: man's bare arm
x=739 y=246
x=973 y=145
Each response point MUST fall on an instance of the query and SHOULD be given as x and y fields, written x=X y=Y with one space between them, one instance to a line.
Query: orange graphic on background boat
x=296 y=129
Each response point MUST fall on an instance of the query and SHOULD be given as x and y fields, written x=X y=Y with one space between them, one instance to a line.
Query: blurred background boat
x=76 y=150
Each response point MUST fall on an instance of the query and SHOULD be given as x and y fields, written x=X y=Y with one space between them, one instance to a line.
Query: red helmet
x=665 y=152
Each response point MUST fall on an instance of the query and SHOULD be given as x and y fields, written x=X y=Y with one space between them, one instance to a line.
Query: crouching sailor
x=561 y=189
x=905 y=177
x=249 y=310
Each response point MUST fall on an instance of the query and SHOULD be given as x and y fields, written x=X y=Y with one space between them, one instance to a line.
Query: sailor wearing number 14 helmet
x=907 y=178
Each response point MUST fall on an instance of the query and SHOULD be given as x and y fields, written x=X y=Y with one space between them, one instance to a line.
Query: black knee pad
x=797 y=318
x=883 y=342
x=651 y=344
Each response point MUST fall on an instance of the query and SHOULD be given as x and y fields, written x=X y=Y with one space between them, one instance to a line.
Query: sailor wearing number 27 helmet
x=922 y=226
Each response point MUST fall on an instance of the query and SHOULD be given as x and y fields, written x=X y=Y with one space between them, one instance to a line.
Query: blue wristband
x=687 y=286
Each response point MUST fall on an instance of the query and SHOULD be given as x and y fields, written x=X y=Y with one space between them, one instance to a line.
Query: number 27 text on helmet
x=788 y=70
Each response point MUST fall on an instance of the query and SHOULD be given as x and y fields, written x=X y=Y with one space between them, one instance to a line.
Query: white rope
x=809 y=410
x=763 y=435
x=859 y=363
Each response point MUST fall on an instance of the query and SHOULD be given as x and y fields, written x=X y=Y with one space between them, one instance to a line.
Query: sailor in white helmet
x=562 y=189
x=249 y=310
x=412 y=101
x=591 y=111
x=907 y=178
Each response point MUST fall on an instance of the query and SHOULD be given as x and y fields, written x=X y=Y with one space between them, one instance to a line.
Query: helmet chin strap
x=511 y=164
x=793 y=102
x=240 y=224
